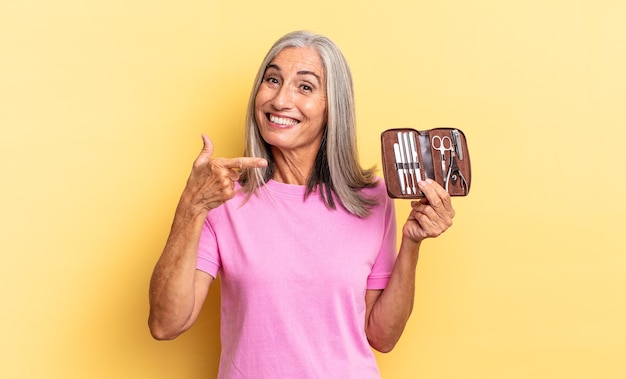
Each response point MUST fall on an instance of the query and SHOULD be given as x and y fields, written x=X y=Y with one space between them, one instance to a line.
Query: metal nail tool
x=407 y=162
x=441 y=146
x=454 y=173
x=405 y=166
x=458 y=145
x=399 y=167
x=416 y=162
x=409 y=159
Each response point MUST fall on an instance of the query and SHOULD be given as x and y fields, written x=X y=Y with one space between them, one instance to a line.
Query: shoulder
x=377 y=194
x=377 y=190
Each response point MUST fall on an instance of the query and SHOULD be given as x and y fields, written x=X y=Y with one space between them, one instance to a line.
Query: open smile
x=284 y=122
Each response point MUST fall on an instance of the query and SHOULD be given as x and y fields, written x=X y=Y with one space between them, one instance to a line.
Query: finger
x=207 y=146
x=206 y=153
x=441 y=216
x=419 y=226
x=428 y=216
x=243 y=162
x=429 y=226
x=424 y=212
x=436 y=195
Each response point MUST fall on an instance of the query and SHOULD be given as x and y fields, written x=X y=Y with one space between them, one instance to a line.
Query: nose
x=283 y=98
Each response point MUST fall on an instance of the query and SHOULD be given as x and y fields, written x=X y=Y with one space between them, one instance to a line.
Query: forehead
x=299 y=59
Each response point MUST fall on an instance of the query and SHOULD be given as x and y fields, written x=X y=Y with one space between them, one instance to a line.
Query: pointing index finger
x=244 y=162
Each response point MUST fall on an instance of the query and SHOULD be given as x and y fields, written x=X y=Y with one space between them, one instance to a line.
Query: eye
x=306 y=87
x=271 y=79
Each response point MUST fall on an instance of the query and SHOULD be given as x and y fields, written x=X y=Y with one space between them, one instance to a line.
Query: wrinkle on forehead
x=303 y=60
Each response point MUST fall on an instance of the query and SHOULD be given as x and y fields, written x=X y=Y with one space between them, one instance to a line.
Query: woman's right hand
x=177 y=288
x=212 y=180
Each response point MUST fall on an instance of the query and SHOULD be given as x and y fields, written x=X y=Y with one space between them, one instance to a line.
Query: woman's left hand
x=431 y=215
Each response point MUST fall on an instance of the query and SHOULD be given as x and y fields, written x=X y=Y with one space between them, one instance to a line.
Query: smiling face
x=290 y=104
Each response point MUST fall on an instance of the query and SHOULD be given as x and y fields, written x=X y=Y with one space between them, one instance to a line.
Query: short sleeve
x=208 y=250
x=383 y=266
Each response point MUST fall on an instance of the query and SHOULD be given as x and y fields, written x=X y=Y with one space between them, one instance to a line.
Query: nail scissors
x=454 y=173
x=441 y=146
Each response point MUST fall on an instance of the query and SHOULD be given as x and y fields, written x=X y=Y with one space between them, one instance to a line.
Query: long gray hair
x=337 y=170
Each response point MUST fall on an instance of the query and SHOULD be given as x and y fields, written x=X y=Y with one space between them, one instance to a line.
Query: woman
x=302 y=237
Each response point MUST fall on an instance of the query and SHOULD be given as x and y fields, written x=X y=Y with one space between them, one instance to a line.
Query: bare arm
x=177 y=289
x=388 y=311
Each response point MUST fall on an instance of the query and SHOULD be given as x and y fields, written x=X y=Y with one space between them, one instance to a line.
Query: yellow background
x=102 y=104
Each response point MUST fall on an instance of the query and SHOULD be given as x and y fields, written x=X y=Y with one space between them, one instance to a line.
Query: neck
x=292 y=169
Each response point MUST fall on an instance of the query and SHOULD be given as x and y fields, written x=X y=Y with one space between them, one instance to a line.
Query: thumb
x=207 y=147
x=206 y=153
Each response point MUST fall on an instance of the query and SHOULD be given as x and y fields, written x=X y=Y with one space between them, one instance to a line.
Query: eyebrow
x=301 y=72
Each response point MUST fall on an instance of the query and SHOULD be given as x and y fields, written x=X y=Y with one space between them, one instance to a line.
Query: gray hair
x=337 y=171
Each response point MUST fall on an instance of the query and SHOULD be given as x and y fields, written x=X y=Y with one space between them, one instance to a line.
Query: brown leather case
x=410 y=155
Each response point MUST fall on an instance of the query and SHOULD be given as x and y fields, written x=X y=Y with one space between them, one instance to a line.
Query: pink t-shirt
x=293 y=279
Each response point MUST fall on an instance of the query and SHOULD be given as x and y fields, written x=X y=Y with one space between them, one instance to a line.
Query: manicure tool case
x=410 y=155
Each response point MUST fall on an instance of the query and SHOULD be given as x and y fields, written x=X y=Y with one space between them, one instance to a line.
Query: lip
x=286 y=122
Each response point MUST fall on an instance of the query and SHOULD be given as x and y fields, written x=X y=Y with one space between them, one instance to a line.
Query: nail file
x=458 y=145
x=399 y=167
x=405 y=170
x=416 y=162
x=409 y=159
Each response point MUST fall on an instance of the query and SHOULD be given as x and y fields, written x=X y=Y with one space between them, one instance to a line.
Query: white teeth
x=282 y=120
